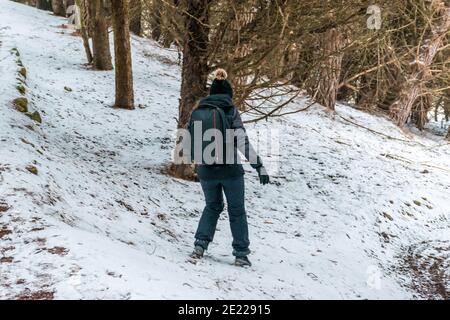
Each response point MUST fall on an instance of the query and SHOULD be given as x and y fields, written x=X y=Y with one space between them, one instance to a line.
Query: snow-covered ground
x=351 y=213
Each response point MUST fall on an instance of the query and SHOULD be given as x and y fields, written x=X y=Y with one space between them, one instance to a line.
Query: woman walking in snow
x=224 y=177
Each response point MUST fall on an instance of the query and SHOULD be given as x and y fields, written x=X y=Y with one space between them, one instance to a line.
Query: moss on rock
x=23 y=72
x=32 y=169
x=36 y=116
x=21 y=88
x=15 y=51
x=21 y=104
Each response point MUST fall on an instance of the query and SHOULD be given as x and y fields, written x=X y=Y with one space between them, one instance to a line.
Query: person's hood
x=219 y=100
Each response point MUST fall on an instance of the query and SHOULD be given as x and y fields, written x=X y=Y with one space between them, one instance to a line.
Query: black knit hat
x=221 y=85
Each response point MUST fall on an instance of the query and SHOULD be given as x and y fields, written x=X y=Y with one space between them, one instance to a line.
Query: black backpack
x=210 y=117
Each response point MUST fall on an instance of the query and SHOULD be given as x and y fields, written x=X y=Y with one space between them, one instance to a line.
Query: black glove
x=263 y=176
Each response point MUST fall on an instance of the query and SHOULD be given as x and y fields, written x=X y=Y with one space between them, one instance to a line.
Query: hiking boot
x=242 y=262
x=198 y=252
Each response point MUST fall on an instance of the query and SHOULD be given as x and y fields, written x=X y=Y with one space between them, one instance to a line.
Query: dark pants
x=234 y=193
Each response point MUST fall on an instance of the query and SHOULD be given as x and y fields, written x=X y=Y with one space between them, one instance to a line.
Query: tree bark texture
x=58 y=8
x=122 y=50
x=194 y=71
x=331 y=43
x=136 y=17
x=84 y=34
x=414 y=84
x=100 y=38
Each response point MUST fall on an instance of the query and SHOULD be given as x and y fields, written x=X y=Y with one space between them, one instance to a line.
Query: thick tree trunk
x=400 y=109
x=195 y=69
x=136 y=17
x=195 y=65
x=331 y=43
x=420 y=112
x=59 y=8
x=448 y=133
x=122 y=50
x=100 y=37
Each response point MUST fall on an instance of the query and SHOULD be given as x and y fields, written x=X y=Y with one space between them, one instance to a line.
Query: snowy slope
x=351 y=214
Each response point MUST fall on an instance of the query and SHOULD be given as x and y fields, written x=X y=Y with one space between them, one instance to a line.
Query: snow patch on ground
x=343 y=218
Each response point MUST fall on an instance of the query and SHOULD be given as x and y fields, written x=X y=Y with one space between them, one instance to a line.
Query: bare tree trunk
x=331 y=42
x=100 y=37
x=84 y=34
x=136 y=17
x=59 y=8
x=122 y=50
x=446 y=106
x=420 y=113
x=400 y=109
x=156 y=20
x=448 y=133
x=195 y=68
x=436 y=106
x=195 y=65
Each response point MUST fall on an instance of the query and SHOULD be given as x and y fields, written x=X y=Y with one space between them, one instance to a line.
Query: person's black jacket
x=242 y=143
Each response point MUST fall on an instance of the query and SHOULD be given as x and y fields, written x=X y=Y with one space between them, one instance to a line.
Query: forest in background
x=392 y=57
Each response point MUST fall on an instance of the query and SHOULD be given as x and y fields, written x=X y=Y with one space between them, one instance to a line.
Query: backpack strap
x=220 y=111
x=225 y=126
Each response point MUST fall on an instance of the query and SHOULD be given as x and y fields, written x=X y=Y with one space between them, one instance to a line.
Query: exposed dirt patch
x=37 y=295
x=6 y=259
x=37 y=229
x=3 y=207
x=5 y=249
x=61 y=251
x=125 y=205
x=428 y=264
x=180 y=171
x=41 y=241
x=4 y=232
